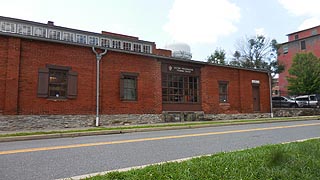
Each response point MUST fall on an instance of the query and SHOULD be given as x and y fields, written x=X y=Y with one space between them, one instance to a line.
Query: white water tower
x=180 y=50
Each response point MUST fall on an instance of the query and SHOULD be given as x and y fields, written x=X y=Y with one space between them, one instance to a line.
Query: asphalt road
x=68 y=157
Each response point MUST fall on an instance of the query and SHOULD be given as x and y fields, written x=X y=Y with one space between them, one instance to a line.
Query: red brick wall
x=239 y=92
x=36 y=54
x=303 y=34
x=19 y=94
x=3 y=70
x=149 y=86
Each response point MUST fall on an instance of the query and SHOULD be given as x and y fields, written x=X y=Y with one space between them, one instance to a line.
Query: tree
x=304 y=74
x=236 y=59
x=218 y=57
x=258 y=52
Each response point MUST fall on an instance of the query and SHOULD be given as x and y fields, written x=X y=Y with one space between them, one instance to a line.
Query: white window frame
x=81 y=38
x=116 y=44
x=67 y=36
x=137 y=49
x=130 y=45
x=146 y=48
x=93 y=40
x=105 y=42
x=6 y=26
x=56 y=35
x=24 y=29
x=42 y=33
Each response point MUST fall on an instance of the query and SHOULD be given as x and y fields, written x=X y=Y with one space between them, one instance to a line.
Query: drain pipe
x=98 y=58
x=270 y=86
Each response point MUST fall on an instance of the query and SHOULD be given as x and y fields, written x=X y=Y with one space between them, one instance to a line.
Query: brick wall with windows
x=43 y=77
x=147 y=71
x=20 y=87
x=239 y=90
x=3 y=70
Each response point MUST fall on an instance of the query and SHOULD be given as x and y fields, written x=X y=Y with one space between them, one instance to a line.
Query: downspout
x=270 y=87
x=98 y=58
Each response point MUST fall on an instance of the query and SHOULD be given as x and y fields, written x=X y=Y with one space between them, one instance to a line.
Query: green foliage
x=284 y=161
x=257 y=52
x=304 y=74
x=218 y=57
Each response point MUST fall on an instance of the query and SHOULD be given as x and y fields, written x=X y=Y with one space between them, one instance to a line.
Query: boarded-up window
x=57 y=82
x=128 y=86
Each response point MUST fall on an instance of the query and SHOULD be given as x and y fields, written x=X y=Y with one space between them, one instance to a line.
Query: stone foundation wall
x=292 y=112
x=38 y=122
x=212 y=117
x=52 y=122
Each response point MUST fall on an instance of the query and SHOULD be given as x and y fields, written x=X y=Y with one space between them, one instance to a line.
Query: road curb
x=109 y=132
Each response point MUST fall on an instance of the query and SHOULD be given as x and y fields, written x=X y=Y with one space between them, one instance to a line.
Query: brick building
x=51 y=70
x=303 y=41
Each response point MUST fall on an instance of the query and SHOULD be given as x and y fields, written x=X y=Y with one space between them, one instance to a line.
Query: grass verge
x=167 y=125
x=298 y=160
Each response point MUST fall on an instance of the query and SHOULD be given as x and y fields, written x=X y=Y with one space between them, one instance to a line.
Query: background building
x=304 y=41
x=51 y=70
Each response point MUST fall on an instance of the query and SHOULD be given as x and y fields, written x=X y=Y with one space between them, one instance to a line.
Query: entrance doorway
x=256 y=98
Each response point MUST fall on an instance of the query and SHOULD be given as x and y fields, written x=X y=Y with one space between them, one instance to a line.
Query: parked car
x=282 y=101
x=312 y=100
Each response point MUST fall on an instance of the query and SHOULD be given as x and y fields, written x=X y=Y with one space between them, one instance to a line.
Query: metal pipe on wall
x=98 y=58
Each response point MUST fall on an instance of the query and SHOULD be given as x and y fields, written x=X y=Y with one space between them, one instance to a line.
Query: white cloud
x=308 y=23
x=302 y=8
x=201 y=21
x=307 y=8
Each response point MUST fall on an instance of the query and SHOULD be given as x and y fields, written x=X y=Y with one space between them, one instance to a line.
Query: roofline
x=133 y=52
x=302 y=30
x=299 y=39
x=75 y=30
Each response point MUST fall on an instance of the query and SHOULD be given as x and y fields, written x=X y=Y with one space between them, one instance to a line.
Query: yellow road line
x=148 y=139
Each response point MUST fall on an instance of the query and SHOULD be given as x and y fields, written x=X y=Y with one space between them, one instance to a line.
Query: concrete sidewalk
x=63 y=133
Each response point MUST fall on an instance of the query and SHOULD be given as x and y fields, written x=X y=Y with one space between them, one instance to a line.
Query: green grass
x=168 y=125
x=299 y=160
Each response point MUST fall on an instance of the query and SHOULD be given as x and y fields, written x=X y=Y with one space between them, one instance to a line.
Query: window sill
x=224 y=104
x=129 y=101
x=57 y=99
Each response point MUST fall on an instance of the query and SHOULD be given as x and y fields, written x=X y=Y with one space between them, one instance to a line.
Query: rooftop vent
x=50 y=23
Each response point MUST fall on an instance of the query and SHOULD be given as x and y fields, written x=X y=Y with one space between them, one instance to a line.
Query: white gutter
x=98 y=58
x=270 y=86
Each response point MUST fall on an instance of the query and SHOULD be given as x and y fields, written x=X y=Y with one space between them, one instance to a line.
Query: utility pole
x=98 y=58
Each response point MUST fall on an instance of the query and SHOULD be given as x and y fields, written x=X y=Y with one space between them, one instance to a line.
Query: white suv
x=308 y=101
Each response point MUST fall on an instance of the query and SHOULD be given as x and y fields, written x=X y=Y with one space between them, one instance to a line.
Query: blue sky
x=204 y=24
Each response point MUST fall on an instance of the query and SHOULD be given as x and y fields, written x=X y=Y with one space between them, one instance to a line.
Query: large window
x=116 y=44
x=53 y=34
x=93 y=40
x=57 y=82
x=180 y=88
x=223 y=91
x=7 y=27
x=67 y=36
x=81 y=38
x=39 y=31
x=24 y=29
x=137 y=47
x=128 y=86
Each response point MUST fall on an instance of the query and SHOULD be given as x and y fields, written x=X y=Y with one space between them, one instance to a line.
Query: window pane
x=57 y=83
x=223 y=92
x=179 y=88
